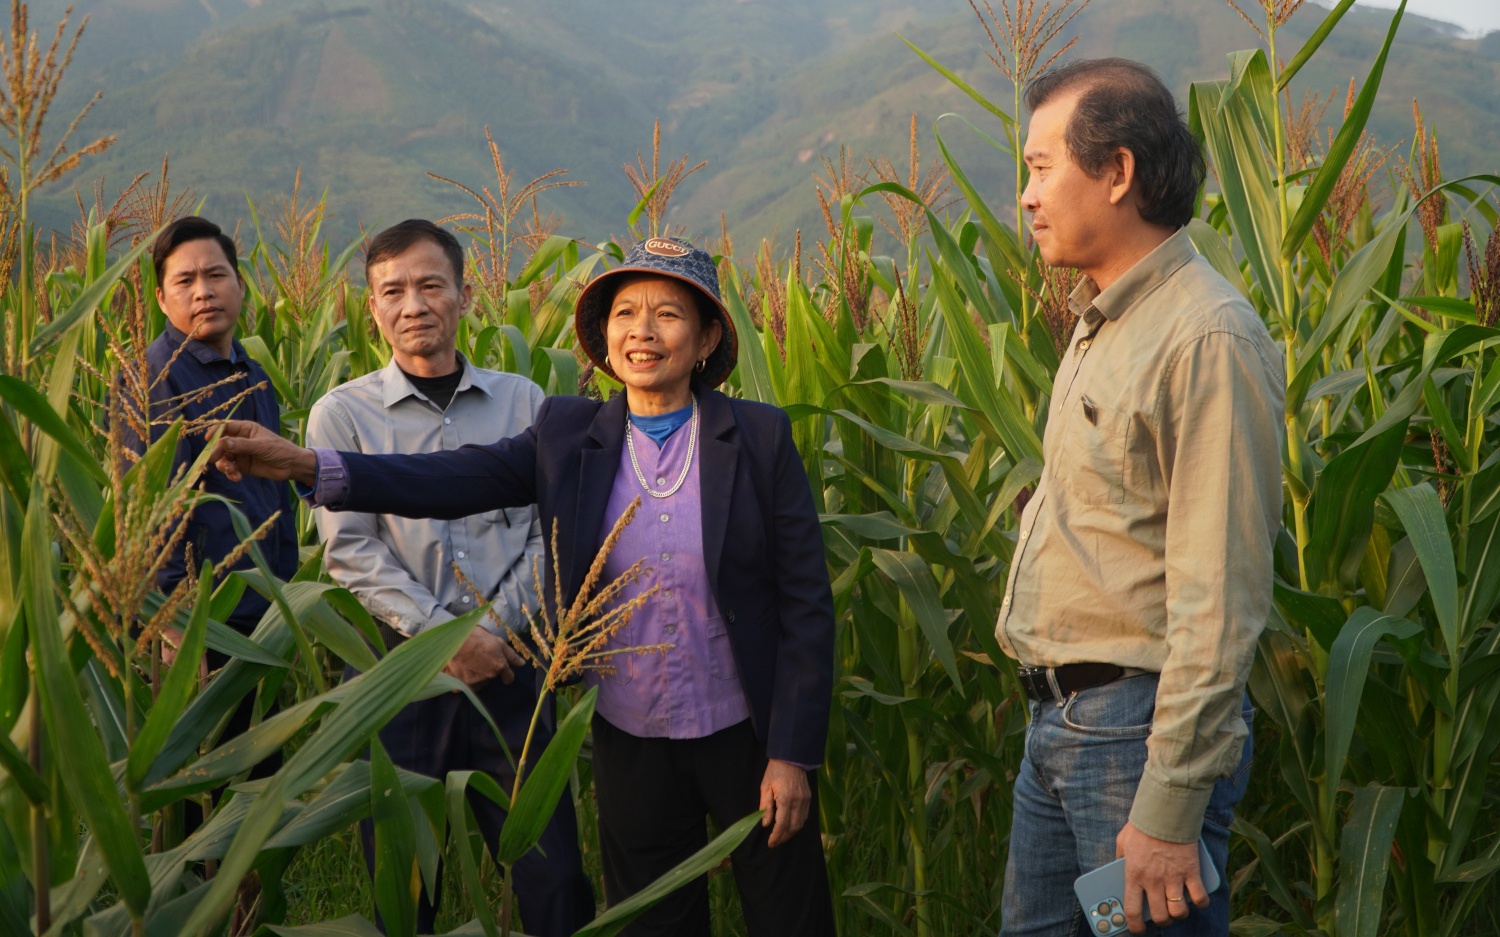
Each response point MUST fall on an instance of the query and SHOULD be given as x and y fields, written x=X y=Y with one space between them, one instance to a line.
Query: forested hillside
x=368 y=96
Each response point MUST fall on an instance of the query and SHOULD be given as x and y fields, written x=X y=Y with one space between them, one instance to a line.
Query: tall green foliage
x=917 y=370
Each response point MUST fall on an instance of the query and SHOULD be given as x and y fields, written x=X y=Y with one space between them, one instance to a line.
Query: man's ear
x=465 y=298
x=1120 y=170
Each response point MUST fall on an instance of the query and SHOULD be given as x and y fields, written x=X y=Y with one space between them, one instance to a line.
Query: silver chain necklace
x=687 y=463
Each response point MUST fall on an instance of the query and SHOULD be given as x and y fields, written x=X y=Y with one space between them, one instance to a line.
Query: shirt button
x=665 y=518
x=671 y=629
x=1006 y=603
x=668 y=593
x=460 y=554
x=1024 y=535
x=447 y=421
x=466 y=600
x=667 y=557
x=661 y=481
x=1084 y=345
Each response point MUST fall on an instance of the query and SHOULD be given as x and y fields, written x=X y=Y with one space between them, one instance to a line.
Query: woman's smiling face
x=655 y=337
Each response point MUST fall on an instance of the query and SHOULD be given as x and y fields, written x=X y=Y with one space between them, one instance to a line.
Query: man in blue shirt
x=200 y=374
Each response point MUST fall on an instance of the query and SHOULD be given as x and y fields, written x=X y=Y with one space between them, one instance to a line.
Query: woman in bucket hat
x=732 y=717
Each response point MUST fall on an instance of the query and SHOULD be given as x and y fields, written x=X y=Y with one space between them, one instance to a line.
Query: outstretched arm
x=446 y=484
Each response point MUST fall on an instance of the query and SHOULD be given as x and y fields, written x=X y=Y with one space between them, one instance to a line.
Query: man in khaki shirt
x=1142 y=574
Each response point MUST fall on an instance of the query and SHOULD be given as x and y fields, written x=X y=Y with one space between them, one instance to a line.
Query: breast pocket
x=499 y=517
x=1091 y=456
x=506 y=518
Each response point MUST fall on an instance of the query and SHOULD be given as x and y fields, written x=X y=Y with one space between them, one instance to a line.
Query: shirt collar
x=206 y=354
x=397 y=388
x=1093 y=305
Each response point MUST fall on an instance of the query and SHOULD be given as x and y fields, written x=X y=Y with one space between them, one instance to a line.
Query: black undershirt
x=439 y=390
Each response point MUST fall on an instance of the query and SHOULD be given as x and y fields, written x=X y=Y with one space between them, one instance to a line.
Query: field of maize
x=913 y=344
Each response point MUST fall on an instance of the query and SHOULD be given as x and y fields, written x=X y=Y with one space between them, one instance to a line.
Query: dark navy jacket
x=761 y=540
x=210 y=532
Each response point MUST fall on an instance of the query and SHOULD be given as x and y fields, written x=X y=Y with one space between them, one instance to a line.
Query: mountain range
x=367 y=97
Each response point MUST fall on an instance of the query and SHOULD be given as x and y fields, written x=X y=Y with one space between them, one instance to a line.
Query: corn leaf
x=1365 y=858
x=752 y=370
x=1319 y=615
x=962 y=85
x=15 y=673
x=1226 y=122
x=35 y=407
x=15 y=764
x=1313 y=43
x=89 y=298
x=1479 y=738
x=1348 y=668
x=343 y=800
x=1421 y=515
x=88 y=779
x=1014 y=431
x=15 y=464
x=614 y=920
x=396 y=879
x=1211 y=244
x=176 y=689
x=1342 y=507
x=914 y=580
x=354 y=925
x=1002 y=245
x=544 y=784
x=465 y=841
x=372 y=699
x=273 y=590
x=1344 y=144
x=1250 y=81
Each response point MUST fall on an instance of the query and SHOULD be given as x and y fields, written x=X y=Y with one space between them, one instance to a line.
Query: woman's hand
x=785 y=797
x=247 y=448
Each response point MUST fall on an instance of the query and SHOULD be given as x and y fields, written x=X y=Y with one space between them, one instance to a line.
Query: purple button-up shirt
x=693 y=689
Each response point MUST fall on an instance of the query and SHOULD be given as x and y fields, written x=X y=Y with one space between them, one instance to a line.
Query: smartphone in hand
x=1101 y=893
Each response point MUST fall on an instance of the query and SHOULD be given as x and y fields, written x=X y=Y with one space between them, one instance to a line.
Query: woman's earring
x=702 y=363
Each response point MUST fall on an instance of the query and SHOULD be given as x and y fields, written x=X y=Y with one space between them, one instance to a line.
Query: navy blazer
x=762 y=542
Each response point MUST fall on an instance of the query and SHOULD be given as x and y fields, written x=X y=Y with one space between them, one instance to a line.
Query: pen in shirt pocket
x=1090 y=412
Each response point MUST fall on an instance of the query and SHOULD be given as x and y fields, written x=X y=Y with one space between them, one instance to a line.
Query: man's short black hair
x=191 y=228
x=1124 y=104
x=398 y=239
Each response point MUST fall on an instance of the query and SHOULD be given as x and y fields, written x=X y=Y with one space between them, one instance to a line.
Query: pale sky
x=1474 y=16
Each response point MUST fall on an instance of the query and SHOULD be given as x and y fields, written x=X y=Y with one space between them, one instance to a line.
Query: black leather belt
x=1048 y=684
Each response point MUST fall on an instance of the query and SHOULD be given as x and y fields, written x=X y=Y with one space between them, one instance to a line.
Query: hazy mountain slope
x=366 y=96
x=864 y=98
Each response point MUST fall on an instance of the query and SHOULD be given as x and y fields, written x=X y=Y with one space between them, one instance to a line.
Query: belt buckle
x=1040 y=683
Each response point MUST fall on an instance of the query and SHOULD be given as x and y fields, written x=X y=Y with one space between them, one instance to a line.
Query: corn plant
x=1386 y=583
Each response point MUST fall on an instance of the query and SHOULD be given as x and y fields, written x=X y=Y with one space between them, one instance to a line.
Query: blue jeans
x=1073 y=796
